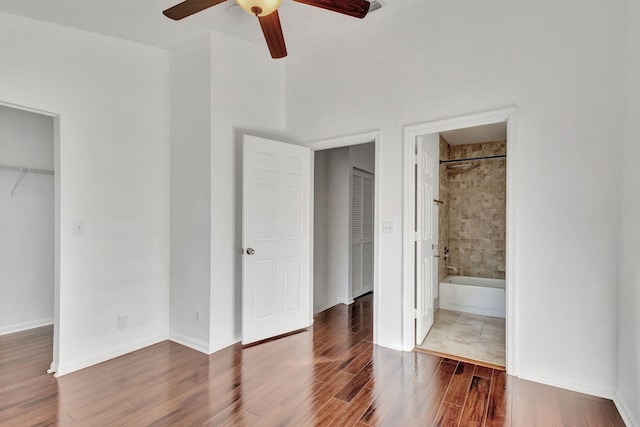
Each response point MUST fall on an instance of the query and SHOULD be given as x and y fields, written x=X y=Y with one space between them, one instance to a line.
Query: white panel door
x=276 y=217
x=361 y=233
x=427 y=189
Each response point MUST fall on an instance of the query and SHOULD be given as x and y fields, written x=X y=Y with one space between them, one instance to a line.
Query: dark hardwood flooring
x=330 y=375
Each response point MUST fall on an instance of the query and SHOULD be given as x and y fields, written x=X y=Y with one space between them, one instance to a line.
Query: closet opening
x=29 y=236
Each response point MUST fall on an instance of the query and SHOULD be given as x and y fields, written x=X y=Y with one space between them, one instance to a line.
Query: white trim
x=57 y=257
x=25 y=326
x=390 y=345
x=212 y=350
x=344 y=301
x=94 y=359
x=29 y=109
x=567 y=384
x=190 y=342
x=625 y=411
x=57 y=220
x=345 y=141
x=410 y=134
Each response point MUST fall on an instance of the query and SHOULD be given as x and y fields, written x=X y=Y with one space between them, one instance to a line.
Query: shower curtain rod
x=501 y=156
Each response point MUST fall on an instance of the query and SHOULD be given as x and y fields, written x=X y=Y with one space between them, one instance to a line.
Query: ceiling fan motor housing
x=260 y=7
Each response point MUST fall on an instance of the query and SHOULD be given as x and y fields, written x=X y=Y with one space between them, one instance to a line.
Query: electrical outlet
x=78 y=226
x=197 y=316
x=122 y=321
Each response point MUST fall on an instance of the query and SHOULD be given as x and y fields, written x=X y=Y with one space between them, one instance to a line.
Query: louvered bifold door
x=361 y=233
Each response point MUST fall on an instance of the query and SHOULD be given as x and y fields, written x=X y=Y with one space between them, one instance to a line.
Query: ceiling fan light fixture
x=259 y=7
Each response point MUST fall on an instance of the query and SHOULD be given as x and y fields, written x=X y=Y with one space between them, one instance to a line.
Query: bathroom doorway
x=470 y=304
x=474 y=294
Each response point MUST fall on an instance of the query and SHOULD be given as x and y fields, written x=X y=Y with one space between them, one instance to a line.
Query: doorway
x=469 y=299
x=412 y=135
x=343 y=224
x=29 y=230
x=342 y=159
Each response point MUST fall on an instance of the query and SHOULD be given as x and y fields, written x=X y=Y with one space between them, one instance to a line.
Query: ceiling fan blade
x=273 y=34
x=355 y=8
x=189 y=7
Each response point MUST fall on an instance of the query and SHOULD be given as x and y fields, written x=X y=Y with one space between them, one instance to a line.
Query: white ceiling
x=142 y=21
x=476 y=135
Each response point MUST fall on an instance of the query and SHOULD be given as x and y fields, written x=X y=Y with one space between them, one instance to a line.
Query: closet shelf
x=21 y=172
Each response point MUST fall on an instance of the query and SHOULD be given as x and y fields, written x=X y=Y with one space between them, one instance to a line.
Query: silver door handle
x=436 y=256
x=250 y=251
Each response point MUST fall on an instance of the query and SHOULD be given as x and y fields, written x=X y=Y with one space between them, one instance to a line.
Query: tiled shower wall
x=475 y=201
x=443 y=210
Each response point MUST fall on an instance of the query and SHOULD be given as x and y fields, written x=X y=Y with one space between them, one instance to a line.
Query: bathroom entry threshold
x=460 y=358
x=468 y=337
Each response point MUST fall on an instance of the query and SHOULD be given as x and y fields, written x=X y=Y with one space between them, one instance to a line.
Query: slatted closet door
x=361 y=233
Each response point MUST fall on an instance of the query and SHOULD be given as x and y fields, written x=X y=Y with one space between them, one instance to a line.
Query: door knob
x=250 y=251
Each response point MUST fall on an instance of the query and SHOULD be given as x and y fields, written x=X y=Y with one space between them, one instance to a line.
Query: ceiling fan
x=267 y=13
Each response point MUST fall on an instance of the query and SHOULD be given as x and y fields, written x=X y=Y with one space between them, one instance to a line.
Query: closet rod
x=501 y=156
x=25 y=170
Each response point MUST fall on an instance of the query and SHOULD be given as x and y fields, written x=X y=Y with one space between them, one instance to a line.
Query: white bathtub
x=473 y=295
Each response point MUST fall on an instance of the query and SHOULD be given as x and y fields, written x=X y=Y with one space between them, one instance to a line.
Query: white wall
x=247 y=97
x=113 y=100
x=331 y=228
x=629 y=245
x=363 y=156
x=321 y=299
x=561 y=64
x=191 y=192
x=26 y=222
x=332 y=183
x=222 y=88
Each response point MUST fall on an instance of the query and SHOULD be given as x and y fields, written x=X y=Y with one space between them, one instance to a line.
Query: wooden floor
x=331 y=375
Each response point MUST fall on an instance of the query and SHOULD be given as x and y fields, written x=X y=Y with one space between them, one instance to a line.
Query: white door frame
x=345 y=141
x=411 y=133
x=56 y=227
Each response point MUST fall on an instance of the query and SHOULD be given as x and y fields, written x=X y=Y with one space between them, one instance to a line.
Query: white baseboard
x=190 y=342
x=94 y=359
x=625 y=412
x=222 y=346
x=19 y=327
x=392 y=346
x=333 y=304
x=567 y=384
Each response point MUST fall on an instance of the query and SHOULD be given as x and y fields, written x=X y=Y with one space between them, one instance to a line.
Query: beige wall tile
x=475 y=209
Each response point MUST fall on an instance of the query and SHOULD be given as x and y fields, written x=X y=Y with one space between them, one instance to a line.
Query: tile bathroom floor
x=470 y=336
